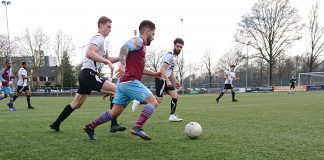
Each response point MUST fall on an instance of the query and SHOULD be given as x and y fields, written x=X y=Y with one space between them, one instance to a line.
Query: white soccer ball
x=193 y=130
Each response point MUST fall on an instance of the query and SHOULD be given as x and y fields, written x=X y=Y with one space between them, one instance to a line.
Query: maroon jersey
x=6 y=73
x=135 y=61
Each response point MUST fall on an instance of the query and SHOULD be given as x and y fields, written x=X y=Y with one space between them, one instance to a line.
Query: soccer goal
x=311 y=78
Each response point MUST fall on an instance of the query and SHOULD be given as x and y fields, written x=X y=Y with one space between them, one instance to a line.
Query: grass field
x=260 y=126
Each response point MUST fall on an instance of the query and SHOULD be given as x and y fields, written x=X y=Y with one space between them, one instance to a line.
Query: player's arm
x=163 y=71
x=111 y=59
x=92 y=54
x=1 y=78
x=152 y=73
x=174 y=80
x=122 y=59
x=225 y=76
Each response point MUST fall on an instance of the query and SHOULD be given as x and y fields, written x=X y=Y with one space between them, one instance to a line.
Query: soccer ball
x=193 y=130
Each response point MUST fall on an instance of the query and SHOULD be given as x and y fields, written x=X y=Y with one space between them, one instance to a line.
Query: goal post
x=311 y=78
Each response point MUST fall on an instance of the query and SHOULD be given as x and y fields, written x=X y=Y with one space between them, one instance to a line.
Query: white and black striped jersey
x=170 y=59
x=99 y=41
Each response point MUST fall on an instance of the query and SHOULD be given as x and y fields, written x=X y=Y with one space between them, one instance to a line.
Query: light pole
x=247 y=64
x=6 y=3
x=182 y=54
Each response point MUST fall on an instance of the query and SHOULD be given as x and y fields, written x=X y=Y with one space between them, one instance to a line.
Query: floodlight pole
x=182 y=56
x=6 y=3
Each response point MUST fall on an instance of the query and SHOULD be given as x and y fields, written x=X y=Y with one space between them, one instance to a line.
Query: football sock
x=145 y=115
x=104 y=117
x=64 y=114
x=113 y=121
x=28 y=101
x=15 y=97
x=233 y=96
x=173 y=105
x=220 y=95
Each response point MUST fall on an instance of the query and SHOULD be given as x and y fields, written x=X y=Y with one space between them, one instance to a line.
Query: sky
x=207 y=25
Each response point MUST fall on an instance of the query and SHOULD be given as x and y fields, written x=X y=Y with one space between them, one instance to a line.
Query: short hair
x=103 y=20
x=8 y=61
x=232 y=65
x=146 y=24
x=178 y=40
x=23 y=63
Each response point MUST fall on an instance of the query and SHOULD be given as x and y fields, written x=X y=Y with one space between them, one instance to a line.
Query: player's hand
x=177 y=84
x=168 y=83
x=121 y=71
x=111 y=66
x=159 y=75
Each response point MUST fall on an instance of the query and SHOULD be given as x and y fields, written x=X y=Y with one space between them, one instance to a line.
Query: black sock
x=64 y=114
x=15 y=97
x=113 y=121
x=220 y=95
x=173 y=105
x=233 y=96
x=28 y=101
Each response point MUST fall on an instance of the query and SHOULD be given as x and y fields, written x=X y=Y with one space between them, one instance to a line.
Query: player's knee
x=159 y=100
x=76 y=105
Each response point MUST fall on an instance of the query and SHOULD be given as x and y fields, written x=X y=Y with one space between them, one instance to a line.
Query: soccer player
x=292 y=85
x=166 y=66
x=88 y=79
x=229 y=76
x=131 y=69
x=22 y=84
x=5 y=76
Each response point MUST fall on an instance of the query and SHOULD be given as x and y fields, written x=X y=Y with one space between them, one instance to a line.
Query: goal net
x=311 y=78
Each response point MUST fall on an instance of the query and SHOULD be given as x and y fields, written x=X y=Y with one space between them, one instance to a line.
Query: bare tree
x=182 y=69
x=207 y=61
x=153 y=57
x=230 y=58
x=33 y=45
x=316 y=33
x=271 y=27
x=62 y=45
x=3 y=45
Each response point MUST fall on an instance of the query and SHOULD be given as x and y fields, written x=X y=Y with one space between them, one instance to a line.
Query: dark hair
x=178 y=40
x=23 y=63
x=146 y=24
x=7 y=61
x=103 y=20
x=232 y=65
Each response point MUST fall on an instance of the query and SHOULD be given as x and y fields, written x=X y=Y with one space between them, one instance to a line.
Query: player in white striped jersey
x=22 y=85
x=88 y=79
x=229 y=77
x=166 y=66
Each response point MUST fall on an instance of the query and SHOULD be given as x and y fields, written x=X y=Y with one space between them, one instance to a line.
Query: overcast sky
x=208 y=25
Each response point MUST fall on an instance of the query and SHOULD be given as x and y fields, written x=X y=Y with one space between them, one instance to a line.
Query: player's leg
x=120 y=102
x=10 y=104
x=19 y=91
x=75 y=104
x=141 y=93
x=28 y=95
x=136 y=104
x=233 y=95
x=174 y=95
x=111 y=87
x=221 y=94
x=159 y=90
x=2 y=95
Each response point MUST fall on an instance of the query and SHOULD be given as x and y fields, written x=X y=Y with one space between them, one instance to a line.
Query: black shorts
x=161 y=87
x=292 y=86
x=22 y=89
x=89 y=81
x=228 y=86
